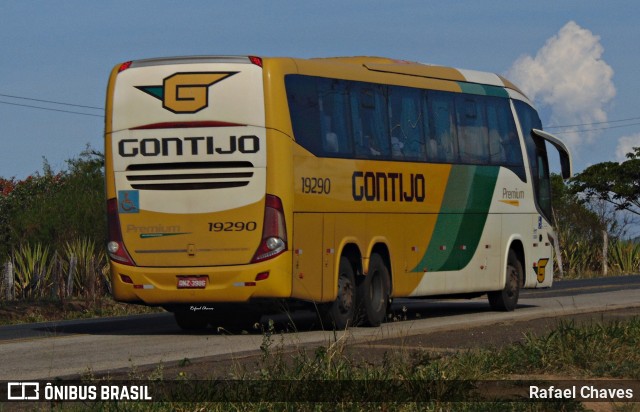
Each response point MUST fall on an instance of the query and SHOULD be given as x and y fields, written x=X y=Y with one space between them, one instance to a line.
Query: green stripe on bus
x=461 y=220
x=483 y=90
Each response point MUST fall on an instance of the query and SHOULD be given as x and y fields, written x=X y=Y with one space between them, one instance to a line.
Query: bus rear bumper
x=160 y=286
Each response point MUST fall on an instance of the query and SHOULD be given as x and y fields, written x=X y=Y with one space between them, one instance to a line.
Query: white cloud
x=568 y=76
x=626 y=145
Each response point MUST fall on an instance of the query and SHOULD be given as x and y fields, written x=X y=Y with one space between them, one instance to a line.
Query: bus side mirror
x=566 y=164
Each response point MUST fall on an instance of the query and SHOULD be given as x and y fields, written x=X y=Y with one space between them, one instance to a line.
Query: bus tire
x=373 y=292
x=339 y=314
x=506 y=299
x=187 y=320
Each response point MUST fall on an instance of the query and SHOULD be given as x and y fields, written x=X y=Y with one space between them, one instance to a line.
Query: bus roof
x=409 y=68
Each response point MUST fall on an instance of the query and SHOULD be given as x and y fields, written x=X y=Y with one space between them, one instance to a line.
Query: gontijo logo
x=185 y=92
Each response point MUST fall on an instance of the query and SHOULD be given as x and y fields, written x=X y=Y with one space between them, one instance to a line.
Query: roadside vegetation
x=331 y=378
x=52 y=255
x=595 y=214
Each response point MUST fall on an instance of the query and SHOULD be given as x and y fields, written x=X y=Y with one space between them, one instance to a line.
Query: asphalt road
x=58 y=349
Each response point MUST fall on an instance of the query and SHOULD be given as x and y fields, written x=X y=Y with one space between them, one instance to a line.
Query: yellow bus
x=339 y=183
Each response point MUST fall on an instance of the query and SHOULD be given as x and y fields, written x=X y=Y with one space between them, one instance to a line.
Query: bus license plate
x=193 y=282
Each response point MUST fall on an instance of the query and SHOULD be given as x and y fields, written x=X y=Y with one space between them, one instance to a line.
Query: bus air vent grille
x=189 y=175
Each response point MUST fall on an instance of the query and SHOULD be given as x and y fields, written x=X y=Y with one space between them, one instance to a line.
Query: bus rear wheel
x=339 y=314
x=373 y=292
x=507 y=299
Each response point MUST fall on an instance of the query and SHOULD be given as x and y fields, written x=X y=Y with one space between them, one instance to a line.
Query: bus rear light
x=124 y=66
x=274 y=231
x=262 y=276
x=115 y=245
x=256 y=60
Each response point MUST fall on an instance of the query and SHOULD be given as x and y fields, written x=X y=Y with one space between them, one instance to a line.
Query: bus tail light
x=262 y=276
x=115 y=247
x=274 y=231
x=256 y=60
x=124 y=66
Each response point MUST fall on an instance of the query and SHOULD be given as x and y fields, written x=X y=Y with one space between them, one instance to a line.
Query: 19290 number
x=316 y=185
x=232 y=226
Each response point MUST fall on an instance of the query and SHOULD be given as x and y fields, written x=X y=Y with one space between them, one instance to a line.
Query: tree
x=612 y=191
x=615 y=183
x=578 y=229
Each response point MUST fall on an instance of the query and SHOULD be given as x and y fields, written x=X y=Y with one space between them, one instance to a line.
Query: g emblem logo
x=185 y=92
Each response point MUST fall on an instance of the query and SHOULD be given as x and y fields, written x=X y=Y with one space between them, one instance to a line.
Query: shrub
x=53 y=209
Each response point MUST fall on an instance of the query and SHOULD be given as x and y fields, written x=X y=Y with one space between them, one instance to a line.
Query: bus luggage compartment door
x=313 y=256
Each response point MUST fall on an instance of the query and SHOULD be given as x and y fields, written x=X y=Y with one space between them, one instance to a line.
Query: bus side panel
x=481 y=272
x=413 y=233
x=484 y=270
x=314 y=275
x=516 y=228
x=307 y=280
x=532 y=230
x=329 y=264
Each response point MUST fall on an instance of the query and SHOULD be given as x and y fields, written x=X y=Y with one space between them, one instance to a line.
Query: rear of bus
x=190 y=218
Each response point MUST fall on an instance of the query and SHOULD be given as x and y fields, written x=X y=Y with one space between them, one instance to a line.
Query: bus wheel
x=373 y=292
x=339 y=314
x=507 y=298
x=190 y=321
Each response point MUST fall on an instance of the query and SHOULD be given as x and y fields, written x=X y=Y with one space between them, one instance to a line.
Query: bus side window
x=473 y=141
x=305 y=111
x=356 y=124
x=504 y=145
x=441 y=146
x=335 y=132
x=498 y=136
x=405 y=116
x=368 y=114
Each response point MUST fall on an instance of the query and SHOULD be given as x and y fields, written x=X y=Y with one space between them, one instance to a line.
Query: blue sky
x=63 y=51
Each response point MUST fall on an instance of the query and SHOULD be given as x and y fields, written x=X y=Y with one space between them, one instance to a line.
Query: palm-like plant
x=33 y=267
x=89 y=263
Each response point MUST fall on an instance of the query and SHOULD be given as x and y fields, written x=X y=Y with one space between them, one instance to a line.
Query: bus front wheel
x=507 y=298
